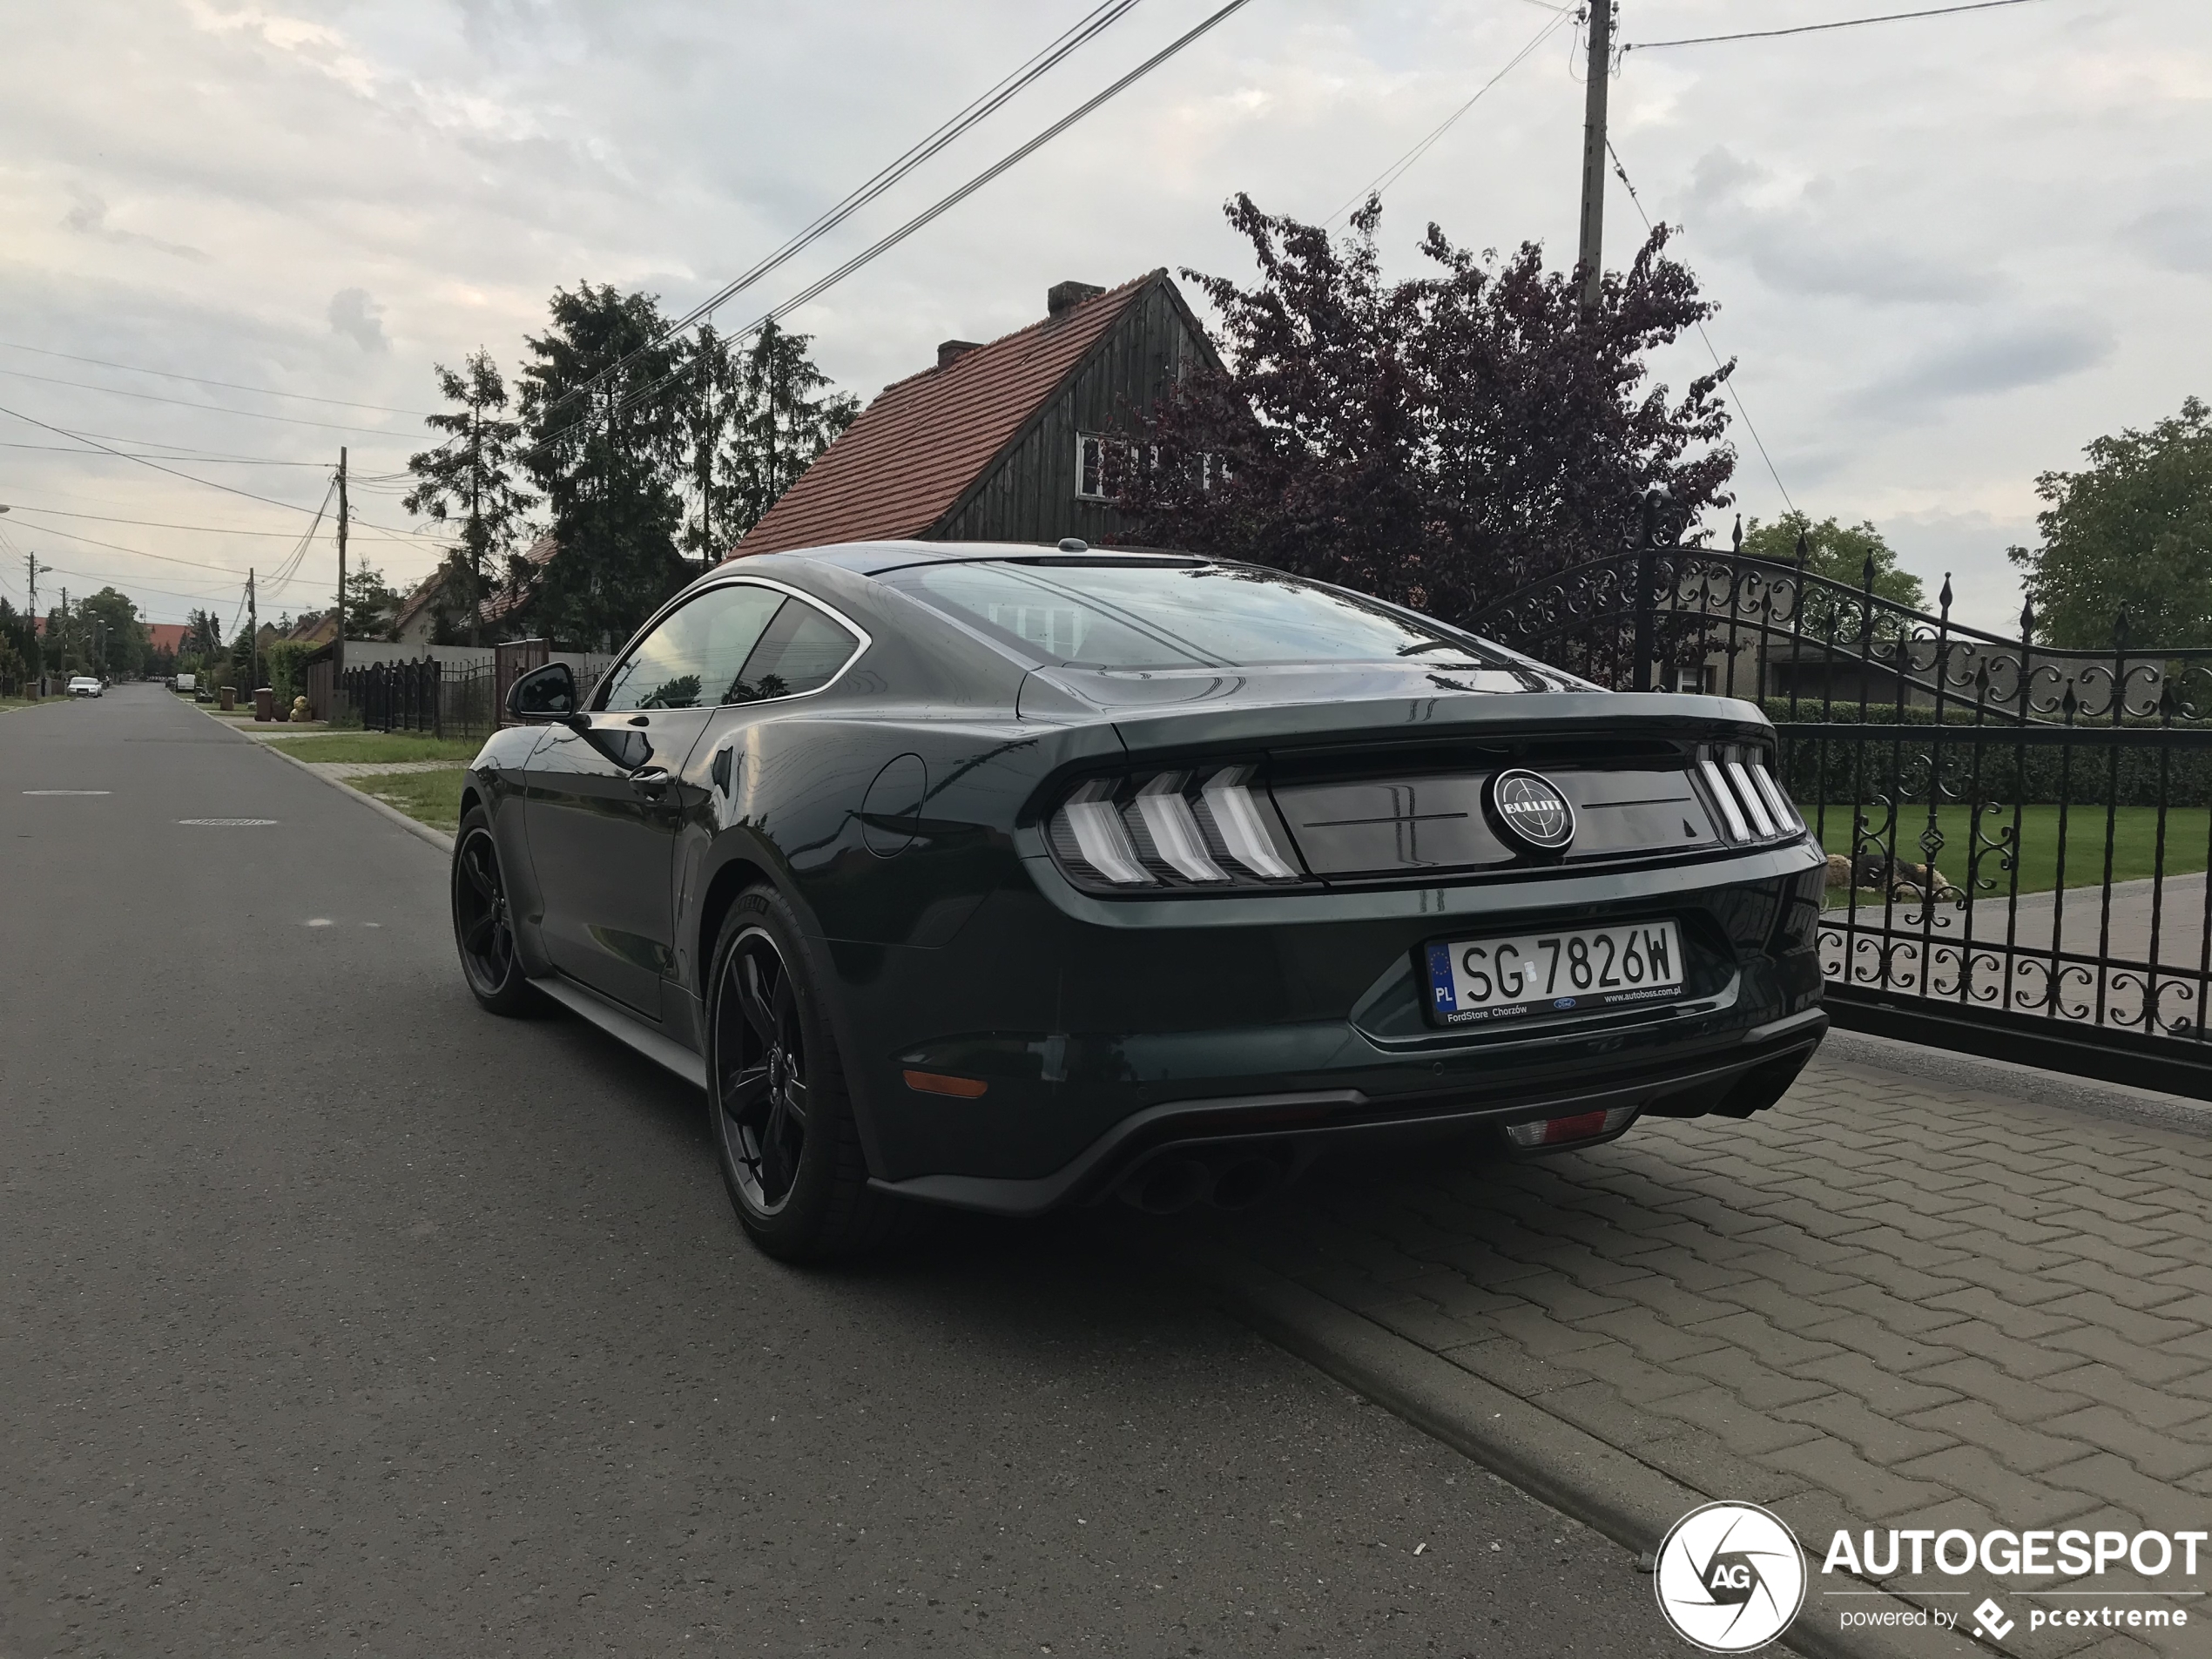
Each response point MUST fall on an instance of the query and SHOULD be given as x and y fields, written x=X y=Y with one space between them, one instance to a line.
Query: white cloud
x=1948 y=253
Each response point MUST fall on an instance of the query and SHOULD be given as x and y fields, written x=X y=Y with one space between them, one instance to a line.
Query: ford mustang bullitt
x=1012 y=878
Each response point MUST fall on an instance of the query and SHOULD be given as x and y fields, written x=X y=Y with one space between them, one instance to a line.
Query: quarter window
x=739 y=643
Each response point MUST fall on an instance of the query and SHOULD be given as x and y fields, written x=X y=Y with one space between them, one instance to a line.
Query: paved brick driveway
x=1888 y=1302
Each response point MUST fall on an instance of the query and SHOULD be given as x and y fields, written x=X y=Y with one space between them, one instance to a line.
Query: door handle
x=650 y=781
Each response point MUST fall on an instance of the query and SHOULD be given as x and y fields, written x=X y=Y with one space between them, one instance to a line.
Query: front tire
x=483 y=922
x=777 y=1101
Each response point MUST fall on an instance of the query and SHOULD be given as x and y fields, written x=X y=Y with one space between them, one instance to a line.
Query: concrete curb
x=437 y=838
x=1604 y=1487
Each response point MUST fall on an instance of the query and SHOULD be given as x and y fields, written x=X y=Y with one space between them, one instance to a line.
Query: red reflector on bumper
x=1579 y=1126
x=936 y=1082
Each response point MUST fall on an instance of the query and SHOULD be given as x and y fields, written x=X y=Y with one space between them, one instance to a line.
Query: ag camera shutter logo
x=1730 y=1577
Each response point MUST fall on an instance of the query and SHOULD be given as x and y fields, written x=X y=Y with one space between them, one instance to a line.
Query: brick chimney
x=1061 y=295
x=949 y=349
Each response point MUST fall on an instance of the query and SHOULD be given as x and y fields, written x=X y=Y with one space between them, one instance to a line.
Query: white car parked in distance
x=84 y=685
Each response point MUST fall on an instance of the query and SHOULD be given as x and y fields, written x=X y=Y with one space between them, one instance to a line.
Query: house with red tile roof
x=1009 y=441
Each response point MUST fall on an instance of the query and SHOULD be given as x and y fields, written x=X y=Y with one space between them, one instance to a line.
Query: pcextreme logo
x=1730 y=1577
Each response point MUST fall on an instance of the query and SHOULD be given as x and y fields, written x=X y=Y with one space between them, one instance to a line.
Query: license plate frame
x=1451 y=974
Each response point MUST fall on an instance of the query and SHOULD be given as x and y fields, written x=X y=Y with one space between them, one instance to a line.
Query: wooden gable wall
x=1028 y=493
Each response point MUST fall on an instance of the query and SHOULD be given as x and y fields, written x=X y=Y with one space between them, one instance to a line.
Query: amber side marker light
x=935 y=1083
x=1558 y=1132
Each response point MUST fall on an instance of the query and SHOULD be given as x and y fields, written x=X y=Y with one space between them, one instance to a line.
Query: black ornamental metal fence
x=2017 y=835
x=422 y=696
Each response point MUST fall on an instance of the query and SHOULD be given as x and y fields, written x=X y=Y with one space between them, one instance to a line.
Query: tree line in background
x=643 y=456
x=1442 y=440
x=101 y=634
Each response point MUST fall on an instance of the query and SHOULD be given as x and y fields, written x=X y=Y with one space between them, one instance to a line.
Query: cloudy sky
x=1948 y=253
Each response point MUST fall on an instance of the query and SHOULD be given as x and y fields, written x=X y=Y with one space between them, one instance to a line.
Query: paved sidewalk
x=1886 y=1302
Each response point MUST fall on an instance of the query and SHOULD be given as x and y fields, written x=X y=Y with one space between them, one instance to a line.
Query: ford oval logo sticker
x=1531 y=810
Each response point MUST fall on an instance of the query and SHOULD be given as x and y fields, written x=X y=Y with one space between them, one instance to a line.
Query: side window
x=694 y=655
x=739 y=644
x=801 y=651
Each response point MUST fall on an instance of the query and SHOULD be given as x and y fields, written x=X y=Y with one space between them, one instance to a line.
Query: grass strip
x=371 y=747
x=432 y=798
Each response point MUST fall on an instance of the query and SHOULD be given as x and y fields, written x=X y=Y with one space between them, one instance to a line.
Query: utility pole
x=1591 y=255
x=253 y=637
x=62 y=629
x=338 y=646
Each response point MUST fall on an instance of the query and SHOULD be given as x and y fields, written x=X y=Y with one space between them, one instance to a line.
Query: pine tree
x=471 y=477
x=607 y=450
x=788 y=413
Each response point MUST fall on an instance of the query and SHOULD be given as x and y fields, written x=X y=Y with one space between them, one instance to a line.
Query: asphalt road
x=337 y=1316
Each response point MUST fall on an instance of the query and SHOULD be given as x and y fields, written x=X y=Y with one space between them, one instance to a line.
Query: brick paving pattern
x=1884 y=1303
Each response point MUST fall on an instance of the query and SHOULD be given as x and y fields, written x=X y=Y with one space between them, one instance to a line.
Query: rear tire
x=776 y=1103
x=483 y=922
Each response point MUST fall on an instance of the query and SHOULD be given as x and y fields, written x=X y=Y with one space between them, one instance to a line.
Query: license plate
x=1556 y=971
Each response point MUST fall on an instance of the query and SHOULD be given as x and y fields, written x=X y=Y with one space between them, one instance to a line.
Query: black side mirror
x=544 y=695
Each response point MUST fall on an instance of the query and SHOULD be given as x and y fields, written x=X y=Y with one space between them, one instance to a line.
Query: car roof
x=873 y=558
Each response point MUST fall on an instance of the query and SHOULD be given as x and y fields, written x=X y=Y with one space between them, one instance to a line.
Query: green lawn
x=432 y=797
x=2135 y=834
x=373 y=746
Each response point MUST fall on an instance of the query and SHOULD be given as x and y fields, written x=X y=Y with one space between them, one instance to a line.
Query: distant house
x=1010 y=440
x=420 y=612
x=167 y=637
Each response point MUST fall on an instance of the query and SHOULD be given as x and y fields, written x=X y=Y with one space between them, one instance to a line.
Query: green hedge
x=1857 y=770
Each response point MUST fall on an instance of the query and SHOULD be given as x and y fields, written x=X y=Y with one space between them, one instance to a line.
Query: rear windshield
x=1179 y=616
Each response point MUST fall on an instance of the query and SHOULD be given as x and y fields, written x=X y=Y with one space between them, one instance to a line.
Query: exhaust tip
x=1168 y=1186
x=1246 y=1181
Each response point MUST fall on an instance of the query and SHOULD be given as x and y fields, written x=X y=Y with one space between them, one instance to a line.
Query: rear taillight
x=1753 y=807
x=1211 y=828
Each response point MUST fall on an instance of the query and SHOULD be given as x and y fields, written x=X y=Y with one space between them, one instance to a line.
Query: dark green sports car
x=1013 y=877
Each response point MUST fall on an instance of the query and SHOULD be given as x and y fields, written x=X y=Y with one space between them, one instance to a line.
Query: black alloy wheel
x=483 y=923
x=761 y=1060
x=776 y=1098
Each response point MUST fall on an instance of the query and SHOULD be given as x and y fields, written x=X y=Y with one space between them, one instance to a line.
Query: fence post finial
x=1737 y=538
x=1943 y=599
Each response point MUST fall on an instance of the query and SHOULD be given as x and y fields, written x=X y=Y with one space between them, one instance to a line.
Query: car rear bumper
x=1304 y=1122
x=1082 y=1045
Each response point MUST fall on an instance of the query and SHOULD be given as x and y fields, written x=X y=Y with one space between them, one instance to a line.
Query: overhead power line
x=228 y=489
x=135 y=552
x=194 y=456
x=1816 y=28
x=1398 y=169
x=205 y=409
x=822 y=285
x=1729 y=385
x=1085 y=30
x=151 y=524
x=197 y=380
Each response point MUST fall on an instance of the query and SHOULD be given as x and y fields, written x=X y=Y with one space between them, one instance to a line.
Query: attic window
x=1097 y=457
x=1090 y=465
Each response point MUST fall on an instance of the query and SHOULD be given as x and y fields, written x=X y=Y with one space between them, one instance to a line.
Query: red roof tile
x=902 y=465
